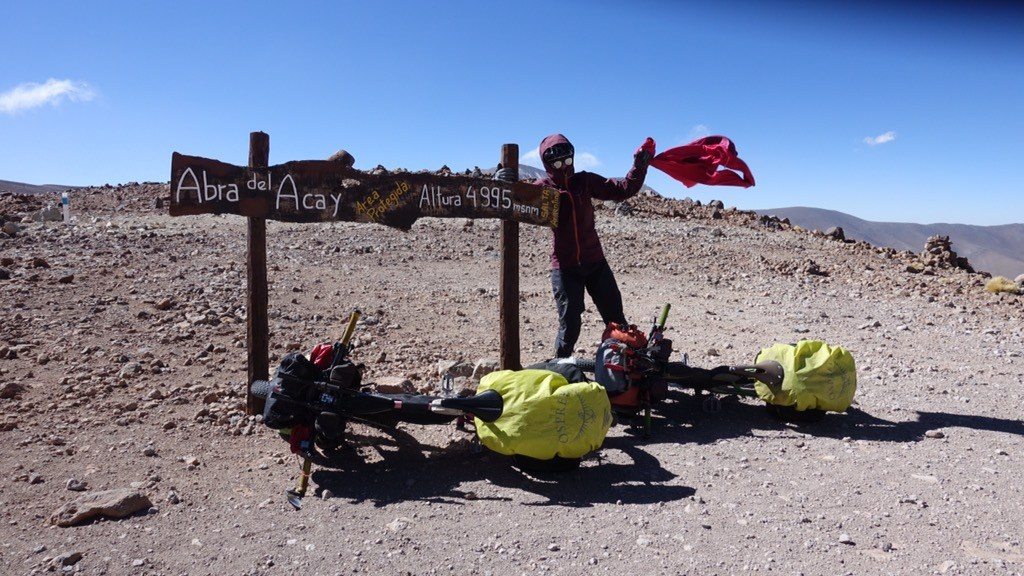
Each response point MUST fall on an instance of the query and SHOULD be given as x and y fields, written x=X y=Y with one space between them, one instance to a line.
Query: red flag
x=699 y=162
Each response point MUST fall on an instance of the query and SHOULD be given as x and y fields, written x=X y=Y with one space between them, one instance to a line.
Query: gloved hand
x=645 y=152
x=506 y=175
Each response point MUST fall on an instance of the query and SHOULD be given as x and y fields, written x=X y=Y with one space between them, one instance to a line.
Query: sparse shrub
x=1001 y=284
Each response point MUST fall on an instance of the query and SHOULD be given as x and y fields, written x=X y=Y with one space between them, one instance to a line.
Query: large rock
x=11 y=229
x=11 y=390
x=836 y=233
x=484 y=366
x=117 y=503
x=454 y=367
x=344 y=158
x=49 y=214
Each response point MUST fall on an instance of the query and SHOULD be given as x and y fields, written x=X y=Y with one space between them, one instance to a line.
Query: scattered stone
x=130 y=370
x=76 y=485
x=836 y=233
x=811 y=268
x=5 y=274
x=149 y=451
x=394 y=385
x=11 y=390
x=326 y=494
x=116 y=503
x=483 y=367
x=11 y=229
x=67 y=559
x=38 y=262
x=399 y=524
x=712 y=352
x=51 y=213
x=554 y=547
x=455 y=368
x=934 y=434
x=35 y=479
x=173 y=497
x=164 y=304
x=66 y=279
x=844 y=538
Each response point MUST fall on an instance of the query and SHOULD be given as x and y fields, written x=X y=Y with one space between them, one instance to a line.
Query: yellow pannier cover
x=544 y=415
x=817 y=376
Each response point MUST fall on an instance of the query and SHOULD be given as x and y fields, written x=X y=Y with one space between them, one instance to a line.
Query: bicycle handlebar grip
x=664 y=315
x=351 y=328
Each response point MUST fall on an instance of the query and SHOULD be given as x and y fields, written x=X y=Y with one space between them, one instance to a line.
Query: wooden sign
x=326 y=191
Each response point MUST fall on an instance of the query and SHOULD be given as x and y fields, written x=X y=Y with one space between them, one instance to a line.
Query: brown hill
x=995 y=249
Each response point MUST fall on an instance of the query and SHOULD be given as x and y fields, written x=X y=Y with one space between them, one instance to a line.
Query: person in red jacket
x=577 y=260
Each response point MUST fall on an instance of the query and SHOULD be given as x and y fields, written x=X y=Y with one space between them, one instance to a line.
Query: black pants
x=568 y=285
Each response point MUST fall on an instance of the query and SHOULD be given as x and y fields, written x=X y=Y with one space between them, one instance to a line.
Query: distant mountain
x=995 y=249
x=528 y=173
x=22 y=188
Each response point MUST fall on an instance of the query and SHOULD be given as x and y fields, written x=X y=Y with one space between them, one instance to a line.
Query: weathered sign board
x=326 y=191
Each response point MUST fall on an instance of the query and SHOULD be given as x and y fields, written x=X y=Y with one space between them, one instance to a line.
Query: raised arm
x=619 y=189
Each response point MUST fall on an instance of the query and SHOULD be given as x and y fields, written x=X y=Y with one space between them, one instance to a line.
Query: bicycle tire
x=586 y=364
x=260 y=389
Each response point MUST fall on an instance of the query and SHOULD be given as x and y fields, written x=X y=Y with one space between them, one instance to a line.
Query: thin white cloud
x=32 y=95
x=699 y=131
x=582 y=160
x=880 y=139
x=532 y=157
x=586 y=161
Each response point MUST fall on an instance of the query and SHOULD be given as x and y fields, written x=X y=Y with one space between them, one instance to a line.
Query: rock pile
x=938 y=253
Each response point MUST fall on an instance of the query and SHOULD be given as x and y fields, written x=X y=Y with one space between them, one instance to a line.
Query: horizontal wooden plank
x=325 y=191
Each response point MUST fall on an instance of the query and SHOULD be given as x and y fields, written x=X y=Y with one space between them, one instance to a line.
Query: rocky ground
x=122 y=368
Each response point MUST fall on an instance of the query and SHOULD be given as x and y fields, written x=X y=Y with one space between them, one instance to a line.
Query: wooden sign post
x=331 y=191
x=508 y=315
x=257 y=336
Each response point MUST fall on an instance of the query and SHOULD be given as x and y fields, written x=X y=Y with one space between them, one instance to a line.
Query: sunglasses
x=559 y=163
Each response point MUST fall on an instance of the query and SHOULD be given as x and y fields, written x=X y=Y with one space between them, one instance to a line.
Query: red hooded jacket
x=575 y=238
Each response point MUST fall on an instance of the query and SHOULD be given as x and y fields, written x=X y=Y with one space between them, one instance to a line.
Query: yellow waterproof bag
x=544 y=415
x=818 y=376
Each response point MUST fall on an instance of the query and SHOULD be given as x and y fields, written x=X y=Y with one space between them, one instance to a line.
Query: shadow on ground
x=393 y=466
x=739 y=419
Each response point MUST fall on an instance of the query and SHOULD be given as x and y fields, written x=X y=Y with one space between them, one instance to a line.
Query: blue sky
x=104 y=92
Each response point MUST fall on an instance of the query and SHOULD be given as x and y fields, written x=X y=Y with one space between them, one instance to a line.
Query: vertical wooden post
x=257 y=326
x=509 y=292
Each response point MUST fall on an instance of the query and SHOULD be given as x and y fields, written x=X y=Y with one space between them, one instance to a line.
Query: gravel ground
x=122 y=366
